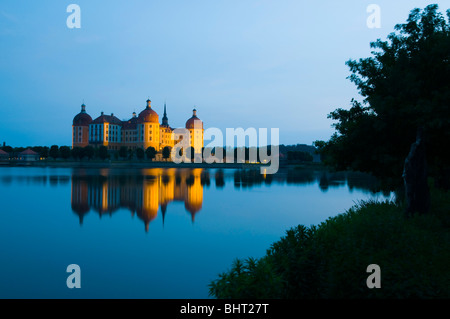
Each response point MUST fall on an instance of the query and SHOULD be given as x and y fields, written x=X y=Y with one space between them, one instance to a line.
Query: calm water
x=152 y=233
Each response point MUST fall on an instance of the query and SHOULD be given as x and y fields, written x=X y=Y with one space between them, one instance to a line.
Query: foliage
x=250 y=278
x=41 y=150
x=54 y=151
x=299 y=156
x=77 y=153
x=140 y=154
x=64 y=152
x=191 y=151
x=404 y=85
x=330 y=260
x=123 y=152
x=89 y=151
x=166 y=152
x=150 y=152
x=103 y=152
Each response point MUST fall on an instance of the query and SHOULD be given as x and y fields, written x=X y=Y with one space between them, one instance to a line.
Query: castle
x=141 y=131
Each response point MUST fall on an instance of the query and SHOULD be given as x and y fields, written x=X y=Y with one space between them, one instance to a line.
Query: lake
x=152 y=233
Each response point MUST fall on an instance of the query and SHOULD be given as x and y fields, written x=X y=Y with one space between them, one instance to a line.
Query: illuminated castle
x=142 y=131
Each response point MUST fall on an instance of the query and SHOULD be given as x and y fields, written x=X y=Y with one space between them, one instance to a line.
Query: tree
x=75 y=152
x=44 y=152
x=405 y=86
x=41 y=150
x=123 y=152
x=103 y=152
x=89 y=152
x=192 y=153
x=166 y=152
x=7 y=149
x=299 y=156
x=54 y=151
x=64 y=152
x=140 y=154
x=150 y=152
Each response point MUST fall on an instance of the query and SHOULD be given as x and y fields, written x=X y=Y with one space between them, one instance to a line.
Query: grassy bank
x=330 y=260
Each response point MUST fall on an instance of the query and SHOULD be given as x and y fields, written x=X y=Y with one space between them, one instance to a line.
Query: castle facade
x=140 y=131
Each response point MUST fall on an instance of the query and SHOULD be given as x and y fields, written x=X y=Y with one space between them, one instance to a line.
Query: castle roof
x=148 y=114
x=194 y=121
x=131 y=124
x=107 y=119
x=82 y=118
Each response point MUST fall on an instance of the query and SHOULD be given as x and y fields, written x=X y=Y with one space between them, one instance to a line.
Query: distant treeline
x=89 y=152
x=14 y=151
x=290 y=153
x=300 y=153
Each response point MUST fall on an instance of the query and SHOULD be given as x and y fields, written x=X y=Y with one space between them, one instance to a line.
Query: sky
x=240 y=63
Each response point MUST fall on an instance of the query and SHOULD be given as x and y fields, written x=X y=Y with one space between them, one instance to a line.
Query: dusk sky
x=248 y=63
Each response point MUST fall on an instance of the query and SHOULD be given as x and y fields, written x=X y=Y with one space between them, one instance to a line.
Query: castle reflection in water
x=146 y=192
x=143 y=194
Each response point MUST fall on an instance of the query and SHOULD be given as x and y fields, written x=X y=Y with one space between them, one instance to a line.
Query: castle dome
x=82 y=118
x=194 y=121
x=148 y=115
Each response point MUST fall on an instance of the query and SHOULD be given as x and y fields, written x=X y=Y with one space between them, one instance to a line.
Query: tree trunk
x=417 y=192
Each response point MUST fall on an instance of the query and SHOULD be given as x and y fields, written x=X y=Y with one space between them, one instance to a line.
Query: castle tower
x=195 y=127
x=166 y=131
x=148 y=128
x=80 y=128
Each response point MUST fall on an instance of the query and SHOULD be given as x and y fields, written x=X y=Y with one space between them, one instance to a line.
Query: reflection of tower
x=220 y=179
x=150 y=197
x=167 y=189
x=163 y=212
x=194 y=199
x=79 y=197
x=130 y=192
x=104 y=192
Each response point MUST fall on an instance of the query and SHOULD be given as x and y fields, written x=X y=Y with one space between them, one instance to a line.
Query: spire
x=165 y=120
x=163 y=210
x=83 y=108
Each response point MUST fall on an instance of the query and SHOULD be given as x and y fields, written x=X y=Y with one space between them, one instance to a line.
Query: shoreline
x=136 y=164
x=118 y=164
